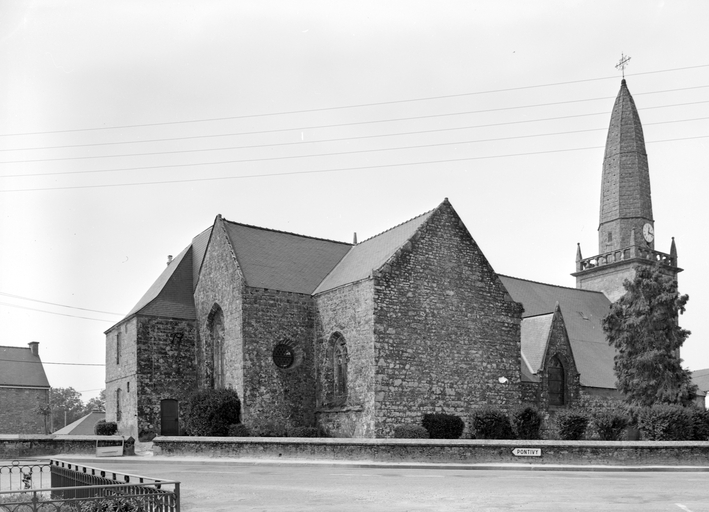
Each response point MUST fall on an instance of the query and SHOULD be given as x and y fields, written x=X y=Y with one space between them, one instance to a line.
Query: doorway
x=169 y=423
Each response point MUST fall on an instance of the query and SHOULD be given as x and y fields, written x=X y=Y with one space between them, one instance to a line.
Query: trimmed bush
x=610 y=423
x=105 y=428
x=443 y=426
x=663 y=422
x=239 y=430
x=410 y=432
x=209 y=412
x=700 y=424
x=269 y=429
x=489 y=422
x=526 y=422
x=571 y=424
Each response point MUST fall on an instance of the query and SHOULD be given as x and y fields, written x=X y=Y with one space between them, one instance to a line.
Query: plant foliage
x=642 y=326
x=610 y=423
x=443 y=426
x=105 y=428
x=488 y=422
x=664 y=422
x=571 y=424
x=210 y=412
x=526 y=422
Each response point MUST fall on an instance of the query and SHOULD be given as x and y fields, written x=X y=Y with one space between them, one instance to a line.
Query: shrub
x=209 y=412
x=489 y=422
x=700 y=424
x=571 y=424
x=239 y=430
x=610 y=423
x=305 y=432
x=146 y=431
x=443 y=426
x=410 y=432
x=105 y=428
x=526 y=422
x=662 y=422
x=269 y=429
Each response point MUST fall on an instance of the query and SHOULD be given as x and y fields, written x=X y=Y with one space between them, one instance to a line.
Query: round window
x=283 y=355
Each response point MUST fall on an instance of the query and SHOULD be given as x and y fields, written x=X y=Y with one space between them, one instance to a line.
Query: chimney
x=354 y=241
x=34 y=347
x=169 y=259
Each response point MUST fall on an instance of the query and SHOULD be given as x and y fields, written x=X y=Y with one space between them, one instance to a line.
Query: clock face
x=648 y=233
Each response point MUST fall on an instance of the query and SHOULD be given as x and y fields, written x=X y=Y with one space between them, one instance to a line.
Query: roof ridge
x=284 y=232
x=550 y=284
x=394 y=227
x=12 y=346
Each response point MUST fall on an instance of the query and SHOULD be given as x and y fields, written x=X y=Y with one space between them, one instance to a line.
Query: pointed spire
x=578 y=257
x=673 y=253
x=625 y=192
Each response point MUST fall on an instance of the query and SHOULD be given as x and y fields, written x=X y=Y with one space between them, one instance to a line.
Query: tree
x=642 y=326
x=66 y=405
x=96 y=403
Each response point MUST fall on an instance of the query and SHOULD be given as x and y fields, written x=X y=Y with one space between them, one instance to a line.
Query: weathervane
x=622 y=64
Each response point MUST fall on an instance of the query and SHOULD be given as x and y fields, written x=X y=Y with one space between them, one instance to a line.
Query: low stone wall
x=14 y=446
x=618 y=453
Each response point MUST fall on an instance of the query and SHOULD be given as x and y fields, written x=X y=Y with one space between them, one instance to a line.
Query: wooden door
x=169 y=423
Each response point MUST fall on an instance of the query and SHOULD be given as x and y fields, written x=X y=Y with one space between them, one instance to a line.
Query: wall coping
x=52 y=437
x=328 y=441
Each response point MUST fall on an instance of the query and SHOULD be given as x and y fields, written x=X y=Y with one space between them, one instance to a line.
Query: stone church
x=359 y=338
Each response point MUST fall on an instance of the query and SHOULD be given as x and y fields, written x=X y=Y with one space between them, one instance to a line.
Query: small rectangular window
x=610 y=236
x=119 y=337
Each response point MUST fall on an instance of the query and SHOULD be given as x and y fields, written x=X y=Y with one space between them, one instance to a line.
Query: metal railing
x=77 y=488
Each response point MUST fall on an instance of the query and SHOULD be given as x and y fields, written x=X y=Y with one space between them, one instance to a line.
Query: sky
x=126 y=127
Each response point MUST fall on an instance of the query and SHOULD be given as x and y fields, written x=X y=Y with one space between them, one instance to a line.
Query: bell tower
x=626 y=229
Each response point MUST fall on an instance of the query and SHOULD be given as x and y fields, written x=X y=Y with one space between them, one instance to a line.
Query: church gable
x=446 y=331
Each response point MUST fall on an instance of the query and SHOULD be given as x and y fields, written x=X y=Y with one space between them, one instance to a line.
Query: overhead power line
x=322 y=171
x=47 y=362
x=315 y=155
x=343 y=107
x=55 y=304
x=256 y=146
x=54 y=313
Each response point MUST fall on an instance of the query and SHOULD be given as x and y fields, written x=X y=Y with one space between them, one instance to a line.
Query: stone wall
x=121 y=373
x=220 y=286
x=18 y=410
x=349 y=311
x=24 y=446
x=166 y=370
x=447 y=334
x=560 y=347
x=273 y=395
x=464 y=452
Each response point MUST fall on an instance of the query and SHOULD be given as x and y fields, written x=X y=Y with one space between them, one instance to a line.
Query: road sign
x=527 y=452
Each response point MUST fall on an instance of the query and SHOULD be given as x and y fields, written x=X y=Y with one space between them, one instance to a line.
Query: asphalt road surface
x=236 y=486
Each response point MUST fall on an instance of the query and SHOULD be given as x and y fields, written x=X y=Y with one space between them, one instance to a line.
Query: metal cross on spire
x=622 y=64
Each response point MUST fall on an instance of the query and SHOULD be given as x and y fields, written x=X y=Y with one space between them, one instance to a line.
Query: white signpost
x=527 y=452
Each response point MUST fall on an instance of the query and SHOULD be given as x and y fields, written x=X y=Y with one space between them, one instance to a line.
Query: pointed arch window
x=557 y=382
x=215 y=323
x=339 y=368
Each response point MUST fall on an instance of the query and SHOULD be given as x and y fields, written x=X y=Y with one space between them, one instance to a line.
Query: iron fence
x=77 y=488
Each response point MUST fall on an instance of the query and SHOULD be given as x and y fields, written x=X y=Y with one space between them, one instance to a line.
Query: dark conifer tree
x=643 y=327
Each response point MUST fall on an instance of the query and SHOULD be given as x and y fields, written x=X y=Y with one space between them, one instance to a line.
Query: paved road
x=237 y=486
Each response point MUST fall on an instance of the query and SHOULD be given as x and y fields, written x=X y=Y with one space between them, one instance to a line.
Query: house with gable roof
x=23 y=387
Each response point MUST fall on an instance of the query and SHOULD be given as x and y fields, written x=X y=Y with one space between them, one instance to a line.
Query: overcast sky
x=126 y=127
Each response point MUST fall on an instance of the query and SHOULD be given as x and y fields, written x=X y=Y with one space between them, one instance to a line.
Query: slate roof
x=583 y=312
x=20 y=368
x=371 y=254
x=283 y=261
x=84 y=426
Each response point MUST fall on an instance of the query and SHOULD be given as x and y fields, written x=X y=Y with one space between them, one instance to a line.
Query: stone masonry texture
x=17 y=410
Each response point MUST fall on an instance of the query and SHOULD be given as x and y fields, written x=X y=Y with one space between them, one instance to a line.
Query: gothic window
x=339 y=368
x=118 y=404
x=216 y=336
x=557 y=382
